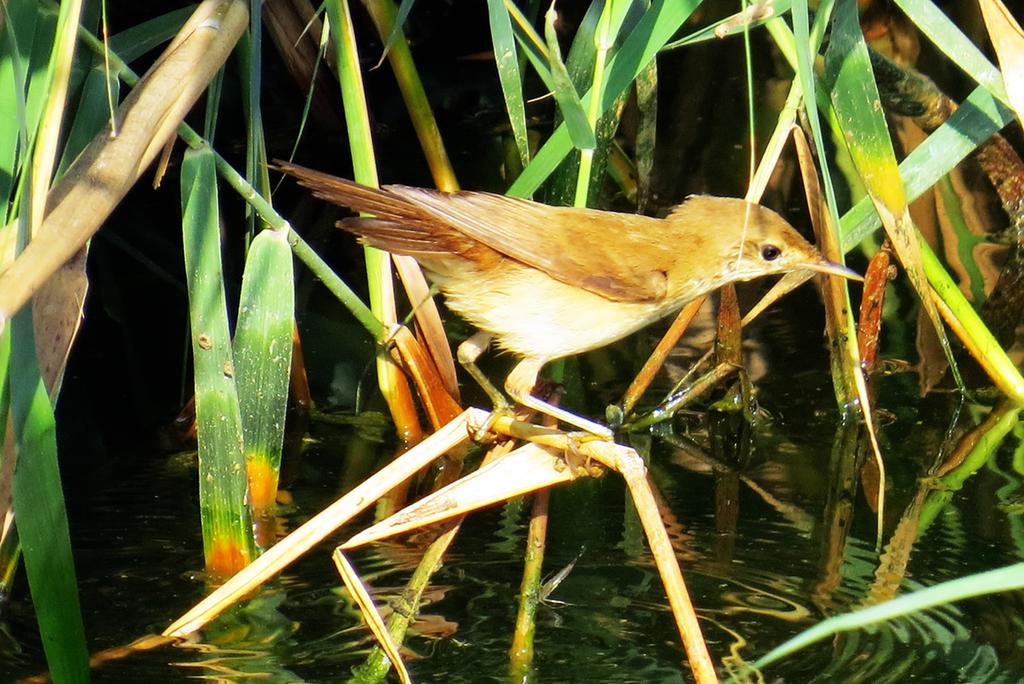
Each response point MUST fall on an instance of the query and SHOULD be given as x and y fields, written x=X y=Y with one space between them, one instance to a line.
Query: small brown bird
x=547 y=282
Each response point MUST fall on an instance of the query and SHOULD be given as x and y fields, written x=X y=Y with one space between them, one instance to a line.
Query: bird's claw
x=482 y=434
x=579 y=462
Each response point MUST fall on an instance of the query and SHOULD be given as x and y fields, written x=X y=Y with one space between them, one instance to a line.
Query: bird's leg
x=468 y=352
x=519 y=384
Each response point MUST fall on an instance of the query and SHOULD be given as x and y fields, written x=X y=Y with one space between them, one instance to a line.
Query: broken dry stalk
x=538 y=464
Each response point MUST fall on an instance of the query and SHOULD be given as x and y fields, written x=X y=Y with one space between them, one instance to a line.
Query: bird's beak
x=832 y=268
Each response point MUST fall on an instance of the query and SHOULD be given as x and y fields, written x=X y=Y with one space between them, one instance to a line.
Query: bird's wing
x=617 y=256
x=622 y=257
x=399 y=225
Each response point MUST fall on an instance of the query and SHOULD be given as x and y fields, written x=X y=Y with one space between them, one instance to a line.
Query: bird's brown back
x=623 y=257
x=702 y=244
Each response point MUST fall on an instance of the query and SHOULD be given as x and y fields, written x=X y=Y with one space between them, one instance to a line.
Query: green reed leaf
x=227 y=531
x=506 y=59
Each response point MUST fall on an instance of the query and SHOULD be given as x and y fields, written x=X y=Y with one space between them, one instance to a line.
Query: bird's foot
x=482 y=433
x=578 y=462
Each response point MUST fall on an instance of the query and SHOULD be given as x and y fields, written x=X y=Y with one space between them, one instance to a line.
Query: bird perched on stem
x=547 y=282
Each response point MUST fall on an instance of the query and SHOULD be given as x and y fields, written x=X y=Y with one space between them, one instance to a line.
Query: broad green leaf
x=263 y=356
x=227 y=532
x=859 y=111
x=40 y=512
x=506 y=59
x=580 y=131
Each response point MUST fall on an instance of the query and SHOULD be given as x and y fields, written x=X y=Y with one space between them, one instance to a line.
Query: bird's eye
x=770 y=252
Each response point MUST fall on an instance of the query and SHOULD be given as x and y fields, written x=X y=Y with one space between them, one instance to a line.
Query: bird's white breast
x=532 y=314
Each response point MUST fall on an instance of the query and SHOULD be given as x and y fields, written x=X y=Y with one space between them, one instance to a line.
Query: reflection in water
x=773 y=525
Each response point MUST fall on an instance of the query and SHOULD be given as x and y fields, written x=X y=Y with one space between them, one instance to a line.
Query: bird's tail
x=356 y=196
x=399 y=225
